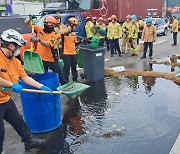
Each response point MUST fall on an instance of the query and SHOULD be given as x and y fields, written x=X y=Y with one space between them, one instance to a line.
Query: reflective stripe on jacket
x=133 y=31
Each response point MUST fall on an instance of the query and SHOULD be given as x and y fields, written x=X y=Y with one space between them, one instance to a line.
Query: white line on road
x=176 y=147
x=160 y=42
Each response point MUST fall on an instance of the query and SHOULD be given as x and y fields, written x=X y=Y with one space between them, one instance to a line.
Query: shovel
x=71 y=90
x=32 y=61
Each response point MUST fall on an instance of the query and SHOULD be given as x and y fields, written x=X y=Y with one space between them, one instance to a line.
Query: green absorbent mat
x=72 y=89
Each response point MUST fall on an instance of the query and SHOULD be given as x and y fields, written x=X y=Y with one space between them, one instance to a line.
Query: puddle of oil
x=146 y=107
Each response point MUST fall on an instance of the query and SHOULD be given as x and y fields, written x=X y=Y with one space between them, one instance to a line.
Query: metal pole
x=24 y=8
x=44 y=3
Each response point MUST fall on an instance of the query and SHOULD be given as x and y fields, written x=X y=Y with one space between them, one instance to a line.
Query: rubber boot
x=34 y=143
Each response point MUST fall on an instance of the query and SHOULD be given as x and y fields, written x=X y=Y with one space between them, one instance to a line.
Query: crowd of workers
x=56 y=41
x=48 y=43
x=133 y=32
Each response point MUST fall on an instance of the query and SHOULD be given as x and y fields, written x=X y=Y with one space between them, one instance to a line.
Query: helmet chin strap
x=71 y=25
x=6 y=46
x=10 y=57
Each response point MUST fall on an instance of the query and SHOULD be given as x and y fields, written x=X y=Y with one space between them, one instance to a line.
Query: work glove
x=17 y=88
x=46 y=88
x=32 y=17
x=35 y=39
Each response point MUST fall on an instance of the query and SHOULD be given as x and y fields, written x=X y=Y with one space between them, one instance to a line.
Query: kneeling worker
x=10 y=71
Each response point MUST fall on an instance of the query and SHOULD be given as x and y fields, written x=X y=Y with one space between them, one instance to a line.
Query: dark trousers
x=107 y=43
x=9 y=112
x=101 y=42
x=146 y=45
x=175 y=37
x=70 y=61
x=55 y=67
x=61 y=53
x=139 y=37
x=114 y=43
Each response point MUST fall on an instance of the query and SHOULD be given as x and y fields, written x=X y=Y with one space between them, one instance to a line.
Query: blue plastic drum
x=42 y=112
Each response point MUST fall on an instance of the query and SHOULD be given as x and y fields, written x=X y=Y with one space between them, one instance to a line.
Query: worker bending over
x=46 y=39
x=10 y=72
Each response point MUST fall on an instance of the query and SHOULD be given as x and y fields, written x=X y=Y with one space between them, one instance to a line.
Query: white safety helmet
x=13 y=36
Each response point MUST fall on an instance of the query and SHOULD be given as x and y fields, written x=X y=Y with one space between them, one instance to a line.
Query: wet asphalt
x=59 y=139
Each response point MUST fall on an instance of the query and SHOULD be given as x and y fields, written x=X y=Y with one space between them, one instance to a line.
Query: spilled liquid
x=146 y=108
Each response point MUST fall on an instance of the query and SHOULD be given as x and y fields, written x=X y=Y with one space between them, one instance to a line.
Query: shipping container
x=121 y=8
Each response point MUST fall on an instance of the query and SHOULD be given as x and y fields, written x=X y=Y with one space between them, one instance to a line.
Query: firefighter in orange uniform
x=69 y=50
x=46 y=39
x=10 y=72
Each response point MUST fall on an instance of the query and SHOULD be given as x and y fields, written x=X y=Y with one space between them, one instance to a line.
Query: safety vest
x=125 y=29
x=89 y=29
x=175 y=26
x=102 y=26
x=114 y=31
x=133 y=31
